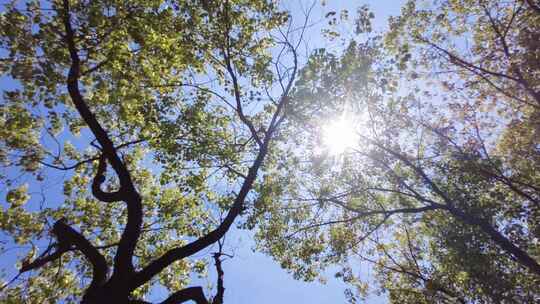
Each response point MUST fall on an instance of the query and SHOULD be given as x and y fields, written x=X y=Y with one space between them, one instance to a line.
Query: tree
x=440 y=193
x=176 y=97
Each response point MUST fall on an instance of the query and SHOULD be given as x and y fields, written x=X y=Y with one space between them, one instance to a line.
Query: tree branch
x=44 y=258
x=89 y=160
x=482 y=72
x=361 y=214
x=191 y=293
x=123 y=263
x=178 y=253
x=236 y=86
x=69 y=239
x=504 y=243
x=99 y=179
x=218 y=299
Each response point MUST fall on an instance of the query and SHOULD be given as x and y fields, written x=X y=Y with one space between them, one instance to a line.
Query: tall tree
x=440 y=191
x=157 y=116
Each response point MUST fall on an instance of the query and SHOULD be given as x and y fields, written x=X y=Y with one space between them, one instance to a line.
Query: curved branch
x=70 y=167
x=68 y=237
x=89 y=118
x=123 y=263
x=178 y=253
x=91 y=159
x=191 y=293
x=236 y=86
x=45 y=258
x=99 y=179
x=284 y=100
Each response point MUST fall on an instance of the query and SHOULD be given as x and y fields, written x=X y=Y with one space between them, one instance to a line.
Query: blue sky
x=252 y=277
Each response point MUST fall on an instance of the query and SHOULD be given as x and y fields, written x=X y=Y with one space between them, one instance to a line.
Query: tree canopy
x=440 y=194
x=156 y=104
x=135 y=134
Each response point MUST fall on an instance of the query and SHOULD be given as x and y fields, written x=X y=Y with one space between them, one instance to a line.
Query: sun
x=338 y=136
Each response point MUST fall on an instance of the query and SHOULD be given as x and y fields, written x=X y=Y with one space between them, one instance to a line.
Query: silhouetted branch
x=156 y=266
x=123 y=263
x=108 y=197
x=503 y=242
x=69 y=239
x=178 y=253
x=218 y=298
x=89 y=160
x=44 y=258
x=195 y=294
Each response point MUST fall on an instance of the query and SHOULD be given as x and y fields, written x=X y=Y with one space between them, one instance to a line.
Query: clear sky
x=253 y=277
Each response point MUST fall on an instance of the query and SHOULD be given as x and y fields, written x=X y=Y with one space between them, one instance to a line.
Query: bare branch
x=236 y=86
x=218 y=299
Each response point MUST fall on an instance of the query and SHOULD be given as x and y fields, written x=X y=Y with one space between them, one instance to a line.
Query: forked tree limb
x=521 y=256
x=212 y=237
x=68 y=236
x=69 y=239
x=156 y=266
x=124 y=274
x=196 y=294
x=218 y=299
x=44 y=258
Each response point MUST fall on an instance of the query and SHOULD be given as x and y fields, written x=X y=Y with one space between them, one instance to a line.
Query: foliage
x=176 y=107
x=154 y=90
x=440 y=193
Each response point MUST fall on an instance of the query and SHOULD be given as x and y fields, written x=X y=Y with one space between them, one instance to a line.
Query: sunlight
x=338 y=136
